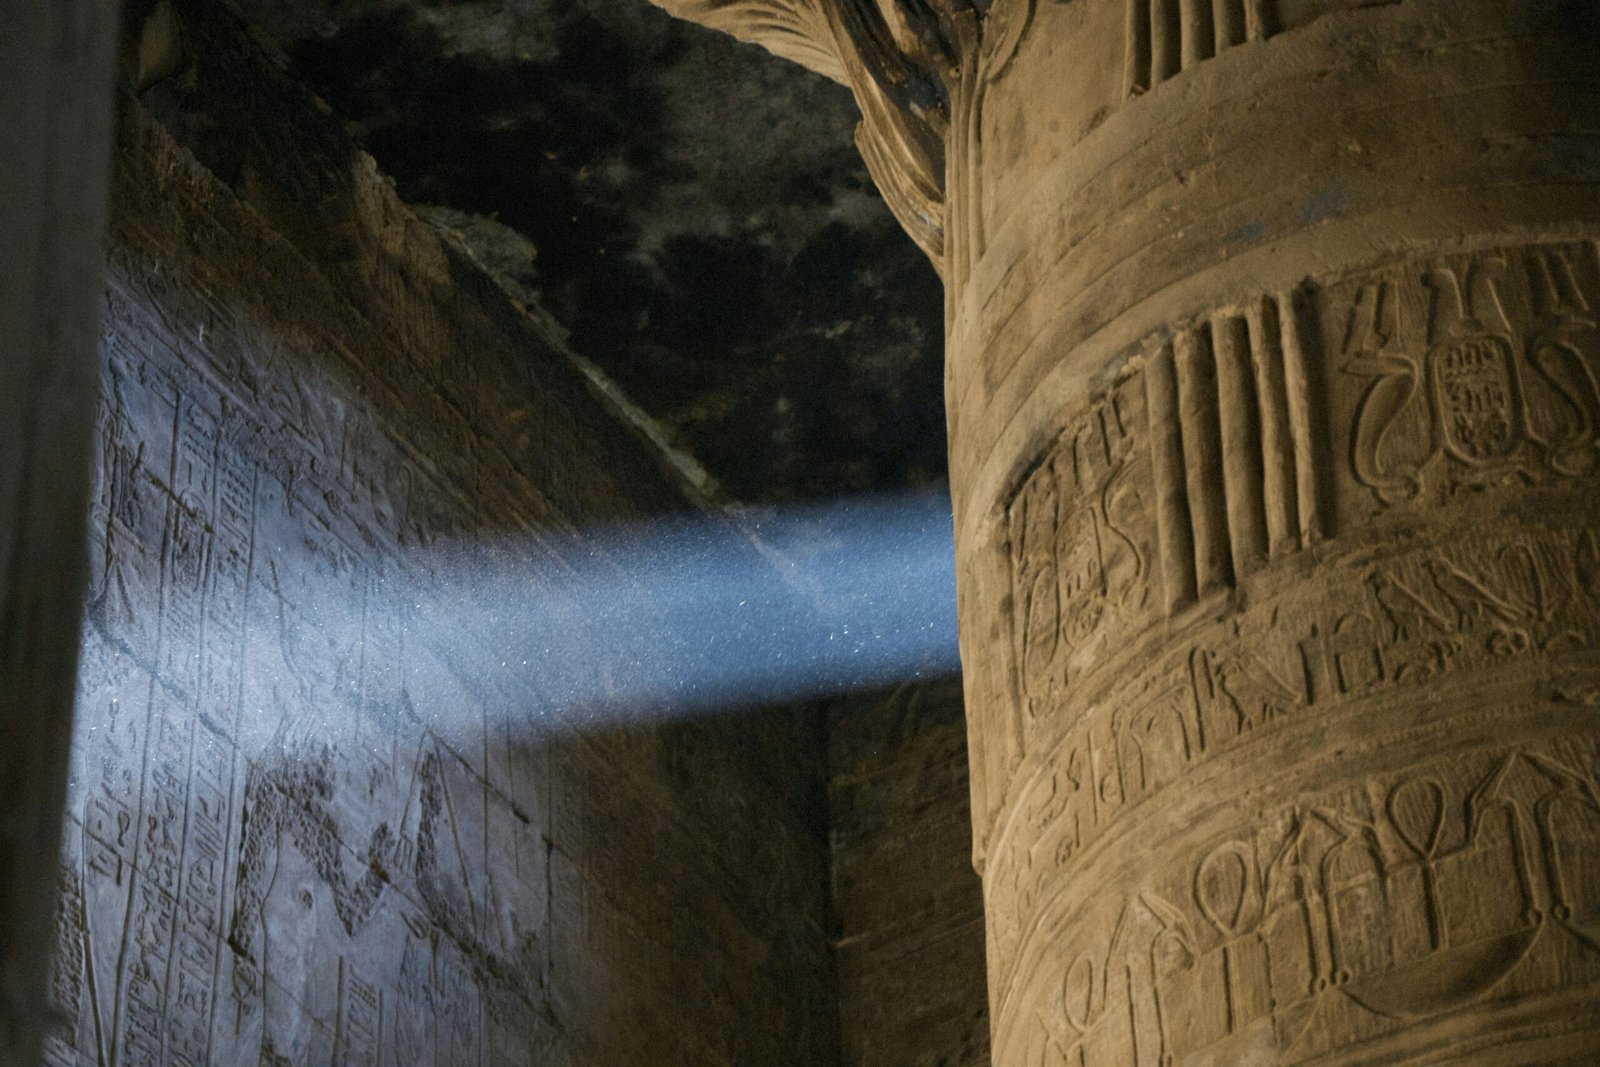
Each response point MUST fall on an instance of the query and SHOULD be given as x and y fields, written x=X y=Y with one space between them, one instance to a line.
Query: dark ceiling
x=690 y=209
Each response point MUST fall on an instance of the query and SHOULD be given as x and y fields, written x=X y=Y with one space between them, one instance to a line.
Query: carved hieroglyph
x=310 y=821
x=1231 y=605
x=267 y=857
x=1471 y=372
x=1274 y=384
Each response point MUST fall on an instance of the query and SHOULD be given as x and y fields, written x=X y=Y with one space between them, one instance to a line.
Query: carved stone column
x=56 y=69
x=1274 y=398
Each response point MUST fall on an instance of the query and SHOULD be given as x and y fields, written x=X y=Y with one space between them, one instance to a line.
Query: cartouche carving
x=1200 y=462
x=1276 y=446
x=1229 y=469
x=1474 y=371
x=1230 y=475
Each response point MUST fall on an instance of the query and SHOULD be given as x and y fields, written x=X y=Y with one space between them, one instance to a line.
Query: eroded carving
x=241 y=880
x=1080 y=552
x=1361 y=909
x=1377 y=631
x=1473 y=372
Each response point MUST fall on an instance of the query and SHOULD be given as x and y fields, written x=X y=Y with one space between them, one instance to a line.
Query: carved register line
x=1233 y=448
x=1229 y=472
x=409 y=480
x=209 y=506
x=163 y=969
x=193 y=454
x=157 y=899
x=1239 y=446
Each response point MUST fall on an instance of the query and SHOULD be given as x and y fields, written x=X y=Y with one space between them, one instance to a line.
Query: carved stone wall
x=1274 y=384
x=908 y=905
x=301 y=827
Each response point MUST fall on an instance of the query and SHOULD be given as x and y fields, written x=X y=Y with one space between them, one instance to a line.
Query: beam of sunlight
x=687 y=616
x=669 y=619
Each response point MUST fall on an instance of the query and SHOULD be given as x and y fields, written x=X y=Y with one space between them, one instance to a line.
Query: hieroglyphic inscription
x=211 y=814
x=1457 y=375
x=1475 y=605
x=1240 y=473
x=1202 y=466
x=69 y=977
x=1465 y=373
x=1080 y=551
x=1350 y=913
x=293 y=837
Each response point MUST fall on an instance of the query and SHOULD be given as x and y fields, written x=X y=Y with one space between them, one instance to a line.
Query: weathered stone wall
x=300 y=829
x=908 y=905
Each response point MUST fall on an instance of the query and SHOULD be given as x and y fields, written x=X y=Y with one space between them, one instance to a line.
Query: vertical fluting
x=1258 y=20
x=1202 y=457
x=1136 y=62
x=1174 y=538
x=1199 y=37
x=1304 y=419
x=1230 y=23
x=1279 y=490
x=1166 y=40
x=1241 y=442
x=1300 y=773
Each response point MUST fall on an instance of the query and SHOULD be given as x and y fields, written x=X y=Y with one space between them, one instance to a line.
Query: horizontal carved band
x=1363 y=910
x=1511 y=602
x=1254 y=431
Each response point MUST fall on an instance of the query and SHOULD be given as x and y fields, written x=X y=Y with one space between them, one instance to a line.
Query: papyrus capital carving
x=910 y=63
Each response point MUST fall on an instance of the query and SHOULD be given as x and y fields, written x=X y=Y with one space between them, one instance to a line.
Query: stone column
x=1274 y=399
x=56 y=69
